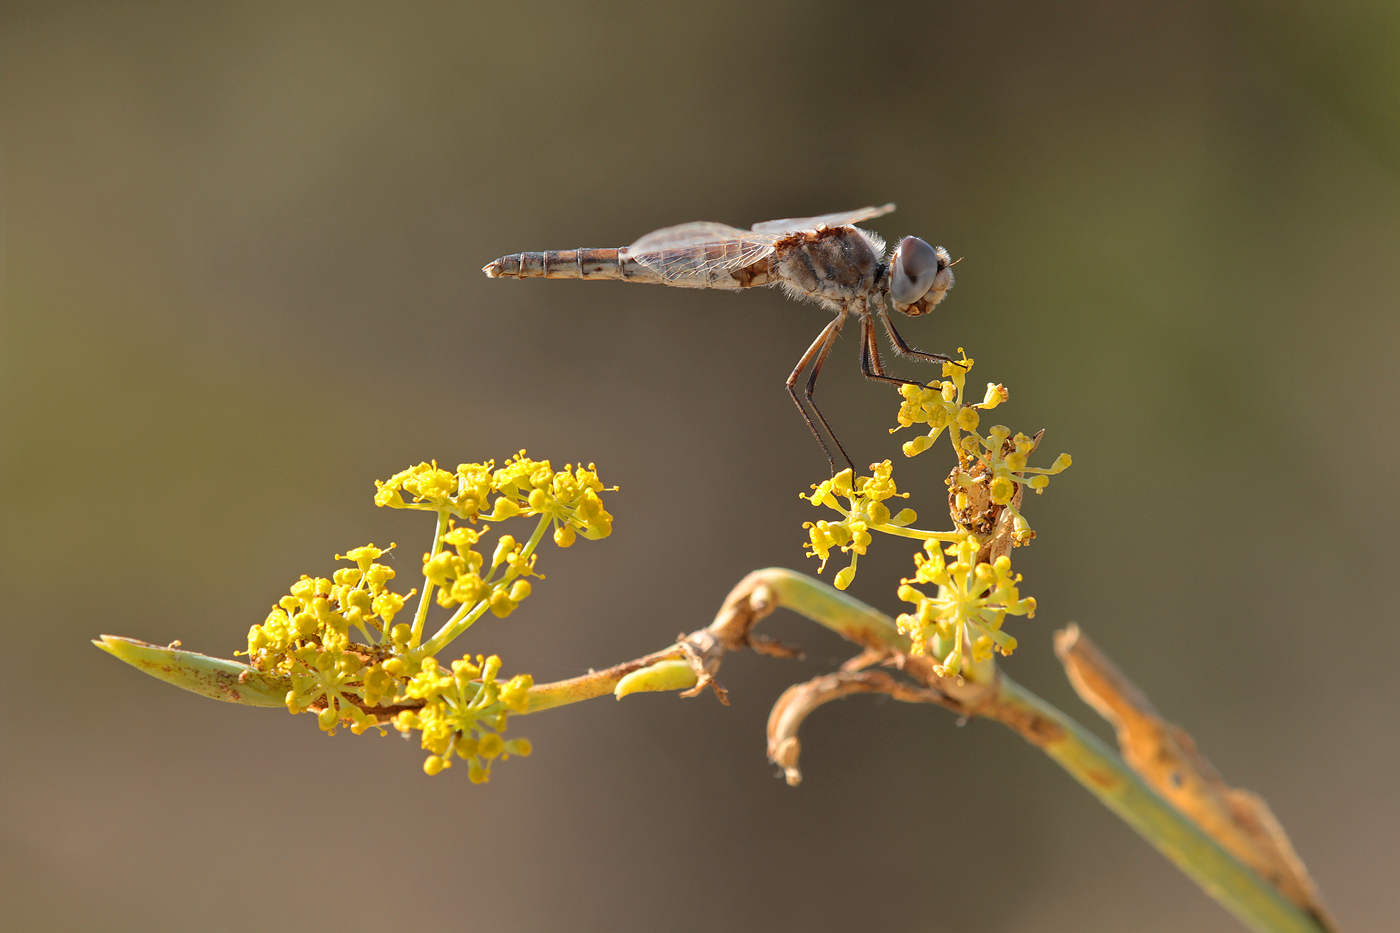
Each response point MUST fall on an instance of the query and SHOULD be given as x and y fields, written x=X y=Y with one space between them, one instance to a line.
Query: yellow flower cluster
x=350 y=662
x=865 y=511
x=464 y=713
x=973 y=599
x=522 y=486
x=940 y=406
x=321 y=612
x=977 y=590
x=991 y=467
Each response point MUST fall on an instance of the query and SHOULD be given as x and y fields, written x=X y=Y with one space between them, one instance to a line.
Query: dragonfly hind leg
x=819 y=349
x=870 y=365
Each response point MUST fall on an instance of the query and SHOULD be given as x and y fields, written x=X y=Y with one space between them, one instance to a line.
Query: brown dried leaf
x=1165 y=756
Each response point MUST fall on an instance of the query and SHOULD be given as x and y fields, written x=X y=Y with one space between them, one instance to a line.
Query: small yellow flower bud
x=468 y=589
x=387 y=605
x=968 y=418
x=490 y=746
x=359 y=599
x=500 y=603
x=364 y=556
x=440 y=568
x=844 y=577
x=996 y=394
x=378 y=575
x=433 y=765
x=564 y=535
x=490 y=668
x=326 y=719
x=304 y=624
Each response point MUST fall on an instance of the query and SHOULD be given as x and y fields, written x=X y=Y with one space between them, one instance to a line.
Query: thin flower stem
x=466 y=616
x=461 y=620
x=544 y=523
x=948 y=536
x=421 y=614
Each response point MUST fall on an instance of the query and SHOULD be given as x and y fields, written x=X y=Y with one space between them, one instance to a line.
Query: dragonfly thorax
x=831 y=266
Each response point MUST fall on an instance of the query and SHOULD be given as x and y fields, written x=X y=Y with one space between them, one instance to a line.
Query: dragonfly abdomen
x=571 y=264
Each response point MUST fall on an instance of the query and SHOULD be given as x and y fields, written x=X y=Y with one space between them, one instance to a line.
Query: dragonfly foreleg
x=902 y=348
x=819 y=349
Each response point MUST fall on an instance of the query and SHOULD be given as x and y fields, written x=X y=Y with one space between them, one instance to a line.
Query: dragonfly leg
x=870 y=365
x=902 y=348
x=819 y=349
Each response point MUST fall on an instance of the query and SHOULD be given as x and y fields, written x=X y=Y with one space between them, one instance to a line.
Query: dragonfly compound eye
x=915 y=270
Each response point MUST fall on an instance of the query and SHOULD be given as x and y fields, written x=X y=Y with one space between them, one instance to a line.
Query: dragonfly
x=826 y=259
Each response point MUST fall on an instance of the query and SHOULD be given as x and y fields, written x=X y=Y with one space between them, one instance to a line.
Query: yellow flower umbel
x=391 y=673
x=464 y=713
x=961 y=624
x=865 y=511
x=940 y=406
x=973 y=599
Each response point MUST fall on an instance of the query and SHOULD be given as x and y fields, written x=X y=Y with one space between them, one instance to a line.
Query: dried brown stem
x=799 y=700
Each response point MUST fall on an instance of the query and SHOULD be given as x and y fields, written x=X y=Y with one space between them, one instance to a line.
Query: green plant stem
x=1087 y=759
x=1093 y=764
x=592 y=684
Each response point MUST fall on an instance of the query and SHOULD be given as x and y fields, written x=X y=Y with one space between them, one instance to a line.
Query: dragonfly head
x=918 y=270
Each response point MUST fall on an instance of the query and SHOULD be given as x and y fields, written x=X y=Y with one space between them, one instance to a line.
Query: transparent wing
x=793 y=224
x=695 y=234
x=700 y=254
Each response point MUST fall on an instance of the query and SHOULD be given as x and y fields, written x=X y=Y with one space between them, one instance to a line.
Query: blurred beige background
x=242 y=246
